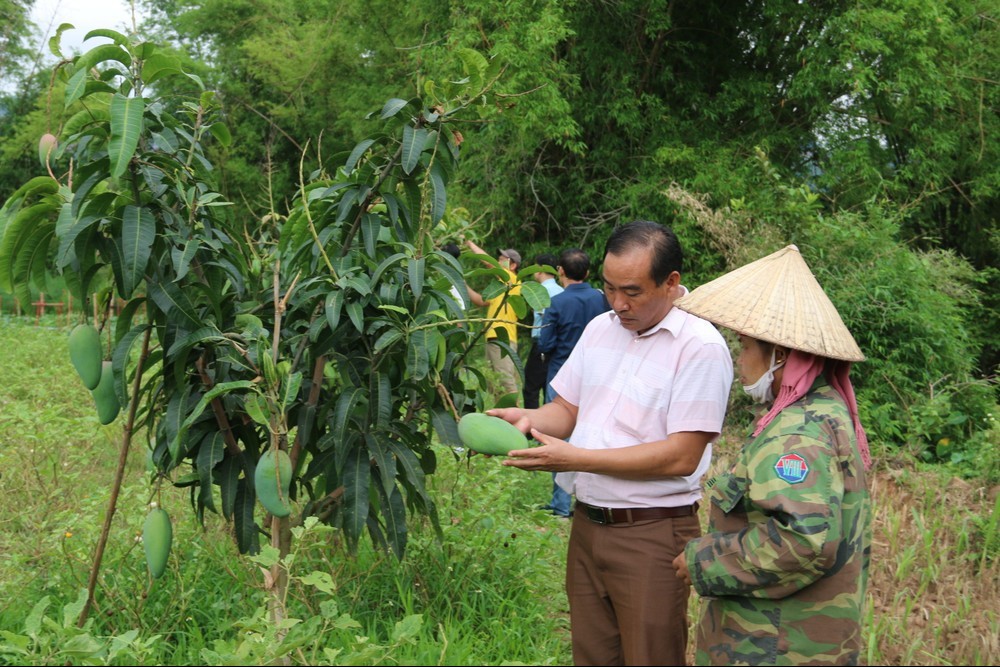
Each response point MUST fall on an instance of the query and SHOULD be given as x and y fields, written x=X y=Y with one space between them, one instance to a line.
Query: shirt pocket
x=728 y=512
x=641 y=409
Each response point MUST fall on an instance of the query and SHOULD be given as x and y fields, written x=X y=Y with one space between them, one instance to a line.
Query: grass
x=489 y=592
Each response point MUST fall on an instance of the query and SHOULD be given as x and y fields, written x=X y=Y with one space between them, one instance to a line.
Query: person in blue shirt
x=536 y=367
x=562 y=324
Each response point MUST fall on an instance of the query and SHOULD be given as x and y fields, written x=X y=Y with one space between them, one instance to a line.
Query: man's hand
x=681 y=566
x=553 y=455
x=516 y=416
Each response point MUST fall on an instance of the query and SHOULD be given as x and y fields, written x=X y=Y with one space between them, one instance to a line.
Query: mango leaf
x=228 y=475
x=291 y=390
x=394 y=516
x=355 y=312
x=256 y=407
x=386 y=339
x=15 y=235
x=210 y=452
x=76 y=86
x=124 y=321
x=209 y=334
x=126 y=125
x=382 y=398
x=439 y=197
x=413 y=473
x=415 y=271
x=181 y=255
x=370 y=225
x=113 y=35
x=101 y=54
x=138 y=234
x=475 y=66
x=446 y=427
x=221 y=133
x=356 y=154
x=333 y=306
x=346 y=404
x=417 y=356
x=159 y=65
x=54 y=41
x=119 y=361
x=392 y=107
x=29 y=261
x=385 y=264
x=413 y=144
x=172 y=301
x=384 y=461
x=535 y=294
x=357 y=478
x=247 y=539
x=217 y=390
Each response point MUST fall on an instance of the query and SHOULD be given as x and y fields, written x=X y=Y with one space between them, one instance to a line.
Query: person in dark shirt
x=562 y=323
x=570 y=312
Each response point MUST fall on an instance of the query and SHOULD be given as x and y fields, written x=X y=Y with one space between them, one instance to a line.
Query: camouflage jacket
x=784 y=564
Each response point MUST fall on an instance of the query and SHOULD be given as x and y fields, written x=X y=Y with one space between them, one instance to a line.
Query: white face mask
x=760 y=391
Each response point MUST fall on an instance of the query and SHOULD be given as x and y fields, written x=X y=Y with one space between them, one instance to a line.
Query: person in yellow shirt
x=506 y=327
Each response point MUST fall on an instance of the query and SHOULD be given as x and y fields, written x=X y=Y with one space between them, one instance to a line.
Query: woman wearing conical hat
x=784 y=564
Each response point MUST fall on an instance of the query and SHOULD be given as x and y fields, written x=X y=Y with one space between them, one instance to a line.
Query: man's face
x=505 y=262
x=628 y=285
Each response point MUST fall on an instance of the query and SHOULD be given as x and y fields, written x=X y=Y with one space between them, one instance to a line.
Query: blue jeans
x=560 y=499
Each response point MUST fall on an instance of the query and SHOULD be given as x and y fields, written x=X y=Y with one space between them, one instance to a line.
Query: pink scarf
x=801 y=370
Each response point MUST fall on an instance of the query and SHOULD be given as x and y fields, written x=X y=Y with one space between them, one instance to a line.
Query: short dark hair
x=667 y=254
x=547 y=259
x=575 y=263
x=451 y=249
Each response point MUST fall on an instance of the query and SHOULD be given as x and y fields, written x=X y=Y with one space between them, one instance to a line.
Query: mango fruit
x=46 y=145
x=272 y=479
x=490 y=435
x=157 y=535
x=104 y=396
x=85 y=353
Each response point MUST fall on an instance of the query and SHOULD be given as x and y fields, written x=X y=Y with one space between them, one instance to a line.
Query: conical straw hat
x=776 y=299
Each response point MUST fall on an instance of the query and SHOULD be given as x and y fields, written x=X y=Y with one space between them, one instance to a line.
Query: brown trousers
x=627 y=606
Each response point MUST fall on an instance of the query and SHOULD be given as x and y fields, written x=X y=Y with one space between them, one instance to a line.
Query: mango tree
x=306 y=359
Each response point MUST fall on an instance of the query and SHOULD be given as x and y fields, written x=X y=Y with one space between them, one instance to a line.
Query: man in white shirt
x=642 y=396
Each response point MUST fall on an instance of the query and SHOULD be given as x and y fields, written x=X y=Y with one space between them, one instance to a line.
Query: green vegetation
x=249 y=201
x=489 y=590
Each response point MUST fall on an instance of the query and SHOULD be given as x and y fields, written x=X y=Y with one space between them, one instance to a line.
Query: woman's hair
x=667 y=254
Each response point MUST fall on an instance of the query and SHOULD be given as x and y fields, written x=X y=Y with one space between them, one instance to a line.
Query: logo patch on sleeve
x=792 y=468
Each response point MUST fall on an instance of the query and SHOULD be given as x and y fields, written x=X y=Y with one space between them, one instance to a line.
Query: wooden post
x=39 y=307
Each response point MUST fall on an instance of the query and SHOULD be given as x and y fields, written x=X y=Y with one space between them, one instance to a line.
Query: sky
x=85 y=15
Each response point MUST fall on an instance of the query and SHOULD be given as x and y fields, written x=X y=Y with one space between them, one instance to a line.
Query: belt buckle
x=599 y=515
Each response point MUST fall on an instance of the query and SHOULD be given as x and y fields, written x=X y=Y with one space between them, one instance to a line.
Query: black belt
x=609 y=515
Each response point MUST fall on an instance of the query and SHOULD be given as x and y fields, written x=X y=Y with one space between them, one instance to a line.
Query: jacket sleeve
x=792 y=532
x=547 y=337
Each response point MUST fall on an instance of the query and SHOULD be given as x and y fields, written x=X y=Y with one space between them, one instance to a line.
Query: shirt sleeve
x=792 y=498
